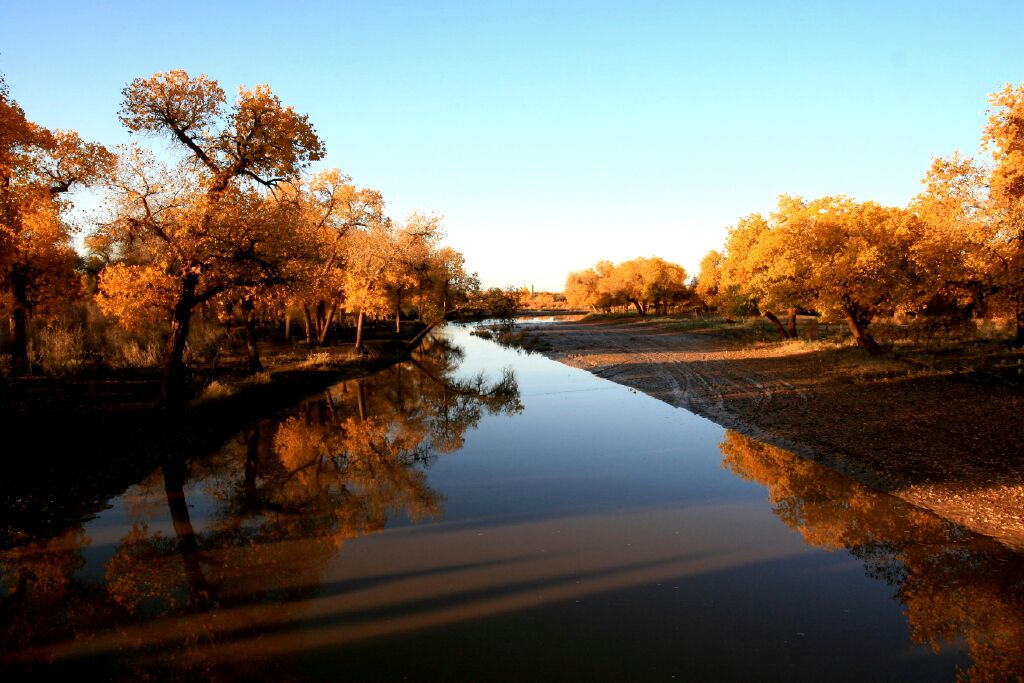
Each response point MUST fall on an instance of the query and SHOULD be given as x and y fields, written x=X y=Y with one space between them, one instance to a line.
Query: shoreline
x=947 y=443
x=93 y=446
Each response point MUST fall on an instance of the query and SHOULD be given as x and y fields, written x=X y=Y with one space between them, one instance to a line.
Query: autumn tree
x=416 y=242
x=664 y=283
x=583 y=289
x=709 y=278
x=842 y=258
x=189 y=232
x=447 y=285
x=640 y=282
x=38 y=168
x=972 y=248
x=332 y=208
x=954 y=251
x=1004 y=138
x=748 y=282
x=372 y=269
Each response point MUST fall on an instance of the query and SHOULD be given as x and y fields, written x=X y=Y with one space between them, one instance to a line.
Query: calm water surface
x=446 y=520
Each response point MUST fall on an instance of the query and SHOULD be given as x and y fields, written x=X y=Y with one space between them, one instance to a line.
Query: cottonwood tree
x=371 y=258
x=193 y=221
x=1004 y=137
x=332 y=208
x=447 y=285
x=954 y=252
x=640 y=282
x=590 y=288
x=416 y=243
x=840 y=257
x=972 y=248
x=709 y=278
x=758 y=274
x=38 y=168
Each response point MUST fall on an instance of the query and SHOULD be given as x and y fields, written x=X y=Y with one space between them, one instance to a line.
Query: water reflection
x=955 y=585
x=277 y=503
x=595 y=513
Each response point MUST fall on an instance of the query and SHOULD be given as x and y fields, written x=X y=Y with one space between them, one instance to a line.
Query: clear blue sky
x=553 y=134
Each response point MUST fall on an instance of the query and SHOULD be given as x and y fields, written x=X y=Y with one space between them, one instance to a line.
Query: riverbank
x=76 y=442
x=950 y=442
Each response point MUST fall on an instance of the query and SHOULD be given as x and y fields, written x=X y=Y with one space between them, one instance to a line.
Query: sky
x=550 y=135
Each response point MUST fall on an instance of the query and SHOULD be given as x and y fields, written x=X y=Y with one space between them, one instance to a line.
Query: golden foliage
x=640 y=282
x=136 y=295
x=953 y=585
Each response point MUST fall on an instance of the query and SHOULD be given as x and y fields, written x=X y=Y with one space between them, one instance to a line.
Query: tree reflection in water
x=952 y=583
x=285 y=497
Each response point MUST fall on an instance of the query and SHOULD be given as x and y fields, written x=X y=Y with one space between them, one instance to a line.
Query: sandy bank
x=952 y=444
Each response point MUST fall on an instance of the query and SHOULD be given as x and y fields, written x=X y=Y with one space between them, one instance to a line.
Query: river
x=483 y=514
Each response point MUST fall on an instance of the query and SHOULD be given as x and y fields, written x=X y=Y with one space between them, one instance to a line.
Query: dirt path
x=950 y=444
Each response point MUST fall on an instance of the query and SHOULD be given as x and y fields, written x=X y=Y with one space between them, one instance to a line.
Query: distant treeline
x=646 y=284
x=954 y=255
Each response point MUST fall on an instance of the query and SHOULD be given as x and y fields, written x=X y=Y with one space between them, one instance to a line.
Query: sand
x=952 y=444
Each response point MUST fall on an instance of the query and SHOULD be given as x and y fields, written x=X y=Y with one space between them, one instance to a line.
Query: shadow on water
x=286 y=495
x=227 y=567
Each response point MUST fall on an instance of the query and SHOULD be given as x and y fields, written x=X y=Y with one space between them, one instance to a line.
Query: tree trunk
x=398 y=312
x=310 y=336
x=173 y=389
x=778 y=325
x=861 y=334
x=252 y=351
x=639 y=309
x=287 y=324
x=200 y=591
x=791 y=322
x=325 y=316
x=360 y=403
x=415 y=341
x=359 y=331
x=19 y=322
x=321 y=328
x=1018 y=339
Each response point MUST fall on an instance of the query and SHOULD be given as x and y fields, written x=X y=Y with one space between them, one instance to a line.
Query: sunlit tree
x=1004 y=138
x=195 y=221
x=332 y=208
x=38 y=168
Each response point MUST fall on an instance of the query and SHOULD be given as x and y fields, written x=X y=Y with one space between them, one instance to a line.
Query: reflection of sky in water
x=599 y=519
x=581 y=443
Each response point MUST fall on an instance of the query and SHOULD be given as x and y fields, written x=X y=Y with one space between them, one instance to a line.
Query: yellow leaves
x=171 y=100
x=37 y=168
x=136 y=294
x=1004 y=136
x=828 y=254
x=272 y=137
x=638 y=281
x=257 y=136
